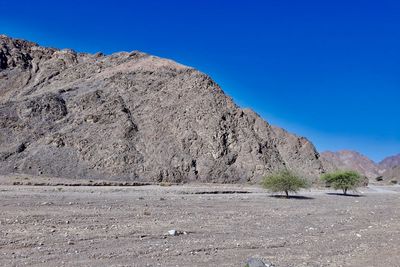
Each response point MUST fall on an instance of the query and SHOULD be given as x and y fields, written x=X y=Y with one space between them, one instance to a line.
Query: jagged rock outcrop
x=131 y=116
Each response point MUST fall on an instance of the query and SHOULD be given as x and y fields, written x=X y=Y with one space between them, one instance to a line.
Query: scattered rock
x=174 y=232
x=256 y=262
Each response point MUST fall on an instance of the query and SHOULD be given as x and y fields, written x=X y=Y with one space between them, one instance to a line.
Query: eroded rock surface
x=131 y=116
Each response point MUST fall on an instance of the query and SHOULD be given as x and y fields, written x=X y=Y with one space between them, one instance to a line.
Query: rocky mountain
x=131 y=116
x=387 y=169
x=392 y=174
x=390 y=162
x=346 y=159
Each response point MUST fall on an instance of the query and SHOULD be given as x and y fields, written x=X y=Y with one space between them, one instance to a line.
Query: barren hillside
x=131 y=116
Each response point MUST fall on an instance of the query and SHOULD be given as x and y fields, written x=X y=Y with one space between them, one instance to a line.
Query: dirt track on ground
x=126 y=226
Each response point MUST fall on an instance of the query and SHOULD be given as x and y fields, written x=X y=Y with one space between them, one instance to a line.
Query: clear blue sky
x=328 y=70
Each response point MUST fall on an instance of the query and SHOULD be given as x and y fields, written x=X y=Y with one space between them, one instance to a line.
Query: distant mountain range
x=390 y=162
x=393 y=174
x=387 y=169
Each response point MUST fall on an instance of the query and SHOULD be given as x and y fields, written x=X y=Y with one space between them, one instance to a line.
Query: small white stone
x=173 y=232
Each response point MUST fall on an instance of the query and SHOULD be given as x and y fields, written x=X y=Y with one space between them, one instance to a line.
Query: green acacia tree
x=343 y=180
x=284 y=181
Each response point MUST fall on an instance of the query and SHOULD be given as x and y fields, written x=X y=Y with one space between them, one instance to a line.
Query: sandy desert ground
x=223 y=224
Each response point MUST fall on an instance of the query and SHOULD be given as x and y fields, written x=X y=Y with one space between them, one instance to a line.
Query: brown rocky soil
x=127 y=226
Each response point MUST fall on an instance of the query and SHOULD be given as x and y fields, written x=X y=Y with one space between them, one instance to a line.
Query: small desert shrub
x=165 y=184
x=343 y=180
x=146 y=213
x=284 y=181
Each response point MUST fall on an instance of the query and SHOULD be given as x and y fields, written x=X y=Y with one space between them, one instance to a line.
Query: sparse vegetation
x=165 y=184
x=284 y=181
x=343 y=180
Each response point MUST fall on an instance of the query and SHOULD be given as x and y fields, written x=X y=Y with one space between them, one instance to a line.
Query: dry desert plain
x=218 y=225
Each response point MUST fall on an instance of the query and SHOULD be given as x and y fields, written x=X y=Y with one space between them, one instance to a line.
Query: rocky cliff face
x=131 y=116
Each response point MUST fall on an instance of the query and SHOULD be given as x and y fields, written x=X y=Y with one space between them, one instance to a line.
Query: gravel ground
x=128 y=226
